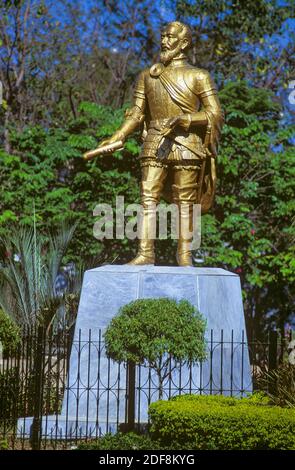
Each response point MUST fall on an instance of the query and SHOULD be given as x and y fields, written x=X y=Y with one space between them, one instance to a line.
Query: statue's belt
x=154 y=128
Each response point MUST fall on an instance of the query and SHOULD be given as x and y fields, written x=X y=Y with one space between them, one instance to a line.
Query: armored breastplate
x=160 y=103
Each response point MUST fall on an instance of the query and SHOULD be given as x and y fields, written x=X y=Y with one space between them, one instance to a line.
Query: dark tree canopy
x=68 y=69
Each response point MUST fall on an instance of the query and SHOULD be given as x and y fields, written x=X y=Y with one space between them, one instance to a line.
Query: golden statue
x=178 y=106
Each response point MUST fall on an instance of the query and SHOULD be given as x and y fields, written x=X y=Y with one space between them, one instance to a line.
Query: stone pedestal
x=94 y=401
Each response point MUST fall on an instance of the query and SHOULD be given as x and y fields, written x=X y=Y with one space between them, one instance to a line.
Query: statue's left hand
x=182 y=121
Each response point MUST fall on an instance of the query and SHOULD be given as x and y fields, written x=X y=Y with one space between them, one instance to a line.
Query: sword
x=203 y=167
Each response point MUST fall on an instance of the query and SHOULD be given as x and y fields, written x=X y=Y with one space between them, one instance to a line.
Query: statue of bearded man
x=178 y=106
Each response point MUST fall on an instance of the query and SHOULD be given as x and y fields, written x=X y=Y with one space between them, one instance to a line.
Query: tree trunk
x=7 y=146
x=131 y=395
x=160 y=379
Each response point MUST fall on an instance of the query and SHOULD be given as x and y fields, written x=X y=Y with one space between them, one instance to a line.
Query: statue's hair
x=185 y=31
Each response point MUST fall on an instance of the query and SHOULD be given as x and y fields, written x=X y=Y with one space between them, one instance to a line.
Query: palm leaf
x=27 y=286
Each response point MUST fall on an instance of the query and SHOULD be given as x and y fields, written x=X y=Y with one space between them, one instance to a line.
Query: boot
x=151 y=187
x=184 y=254
x=145 y=255
x=184 y=195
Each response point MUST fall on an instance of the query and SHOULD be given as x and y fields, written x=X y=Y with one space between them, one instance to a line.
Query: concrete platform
x=96 y=390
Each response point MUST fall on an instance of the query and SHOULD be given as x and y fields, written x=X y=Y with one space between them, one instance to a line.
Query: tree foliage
x=47 y=171
x=242 y=39
x=157 y=333
x=68 y=69
x=251 y=228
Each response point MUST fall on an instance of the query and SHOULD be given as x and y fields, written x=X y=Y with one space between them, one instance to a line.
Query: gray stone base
x=96 y=390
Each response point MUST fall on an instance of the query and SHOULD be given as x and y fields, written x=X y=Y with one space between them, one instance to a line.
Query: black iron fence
x=56 y=390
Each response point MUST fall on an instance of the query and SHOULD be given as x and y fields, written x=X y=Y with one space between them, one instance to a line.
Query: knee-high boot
x=184 y=254
x=184 y=196
x=150 y=195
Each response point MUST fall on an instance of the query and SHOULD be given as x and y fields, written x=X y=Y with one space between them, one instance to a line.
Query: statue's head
x=176 y=39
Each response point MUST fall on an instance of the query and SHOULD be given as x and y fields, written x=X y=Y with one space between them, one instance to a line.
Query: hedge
x=10 y=336
x=121 y=441
x=223 y=423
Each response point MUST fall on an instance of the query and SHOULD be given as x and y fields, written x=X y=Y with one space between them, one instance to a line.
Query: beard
x=168 y=55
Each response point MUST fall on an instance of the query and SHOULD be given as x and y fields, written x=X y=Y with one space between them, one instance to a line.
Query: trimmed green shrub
x=222 y=423
x=121 y=441
x=9 y=334
x=153 y=331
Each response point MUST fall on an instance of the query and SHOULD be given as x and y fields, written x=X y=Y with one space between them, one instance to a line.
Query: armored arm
x=210 y=114
x=211 y=109
x=207 y=93
x=133 y=116
x=214 y=114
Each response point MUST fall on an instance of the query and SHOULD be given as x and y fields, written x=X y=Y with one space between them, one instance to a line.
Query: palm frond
x=27 y=283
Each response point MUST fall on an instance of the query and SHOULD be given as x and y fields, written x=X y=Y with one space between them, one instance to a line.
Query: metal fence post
x=273 y=350
x=273 y=358
x=35 y=438
x=131 y=396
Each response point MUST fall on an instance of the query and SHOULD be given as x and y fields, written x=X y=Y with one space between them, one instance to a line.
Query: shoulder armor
x=156 y=70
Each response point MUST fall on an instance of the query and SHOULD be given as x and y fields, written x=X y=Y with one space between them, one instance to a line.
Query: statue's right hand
x=106 y=142
x=114 y=138
x=107 y=146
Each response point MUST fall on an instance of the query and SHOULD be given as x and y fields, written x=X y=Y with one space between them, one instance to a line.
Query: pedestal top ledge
x=215 y=292
x=125 y=268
